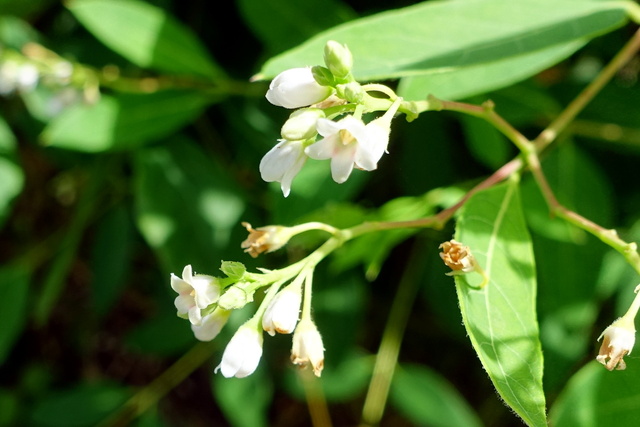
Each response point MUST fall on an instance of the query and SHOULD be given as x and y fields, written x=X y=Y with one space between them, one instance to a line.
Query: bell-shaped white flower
x=618 y=341
x=295 y=88
x=211 y=324
x=307 y=346
x=282 y=313
x=242 y=354
x=195 y=292
x=282 y=163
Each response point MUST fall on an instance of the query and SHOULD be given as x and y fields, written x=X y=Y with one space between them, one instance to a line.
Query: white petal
x=325 y=148
x=187 y=273
x=206 y=288
x=179 y=285
x=326 y=127
x=342 y=163
x=211 y=325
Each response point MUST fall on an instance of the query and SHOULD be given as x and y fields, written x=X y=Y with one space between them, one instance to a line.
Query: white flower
x=282 y=163
x=619 y=339
x=242 y=354
x=195 y=292
x=282 y=313
x=307 y=346
x=348 y=143
x=211 y=324
x=295 y=88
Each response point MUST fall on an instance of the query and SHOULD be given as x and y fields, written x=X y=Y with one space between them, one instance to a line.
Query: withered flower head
x=265 y=239
x=618 y=341
x=457 y=256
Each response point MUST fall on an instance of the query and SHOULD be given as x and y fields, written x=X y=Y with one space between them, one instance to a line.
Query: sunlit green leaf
x=501 y=317
x=427 y=398
x=123 y=121
x=419 y=38
x=468 y=80
x=144 y=34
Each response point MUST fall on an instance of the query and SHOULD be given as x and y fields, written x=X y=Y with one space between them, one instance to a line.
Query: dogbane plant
x=332 y=120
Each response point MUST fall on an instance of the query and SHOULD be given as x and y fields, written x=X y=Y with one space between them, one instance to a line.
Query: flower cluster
x=327 y=124
x=208 y=301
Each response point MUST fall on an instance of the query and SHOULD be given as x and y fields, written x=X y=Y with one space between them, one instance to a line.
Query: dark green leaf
x=428 y=399
x=14 y=290
x=596 y=397
x=144 y=34
x=292 y=22
x=191 y=219
x=85 y=405
x=124 y=121
x=501 y=318
x=111 y=258
x=236 y=395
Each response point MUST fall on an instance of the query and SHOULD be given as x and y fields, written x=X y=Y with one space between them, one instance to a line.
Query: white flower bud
x=338 y=59
x=295 y=88
x=242 y=354
x=301 y=124
x=307 y=346
x=282 y=313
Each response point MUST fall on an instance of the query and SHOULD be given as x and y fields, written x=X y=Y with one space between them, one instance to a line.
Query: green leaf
x=123 y=121
x=244 y=401
x=14 y=290
x=596 y=397
x=162 y=335
x=422 y=38
x=291 y=22
x=84 y=405
x=233 y=269
x=426 y=398
x=501 y=317
x=144 y=34
x=464 y=81
x=11 y=174
x=190 y=221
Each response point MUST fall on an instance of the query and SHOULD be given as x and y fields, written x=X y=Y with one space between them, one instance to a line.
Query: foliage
x=131 y=138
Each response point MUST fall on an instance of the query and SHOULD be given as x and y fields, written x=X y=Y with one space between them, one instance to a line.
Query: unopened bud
x=338 y=59
x=301 y=124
